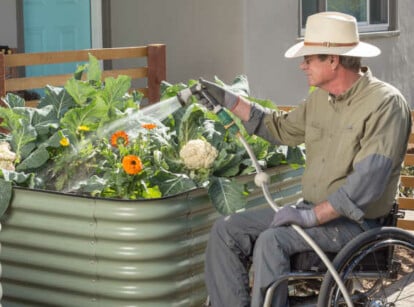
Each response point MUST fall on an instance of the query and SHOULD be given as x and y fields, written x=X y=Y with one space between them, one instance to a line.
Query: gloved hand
x=304 y=217
x=217 y=95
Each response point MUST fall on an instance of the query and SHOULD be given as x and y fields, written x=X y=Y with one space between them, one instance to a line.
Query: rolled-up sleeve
x=366 y=183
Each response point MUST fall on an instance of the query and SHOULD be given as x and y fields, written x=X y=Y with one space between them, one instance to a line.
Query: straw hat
x=332 y=33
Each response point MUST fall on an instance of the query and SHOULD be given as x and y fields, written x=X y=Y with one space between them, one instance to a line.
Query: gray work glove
x=304 y=217
x=213 y=94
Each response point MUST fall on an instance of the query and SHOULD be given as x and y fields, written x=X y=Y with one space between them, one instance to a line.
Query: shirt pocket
x=348 y=145
x=313 y=139
x=313 y=134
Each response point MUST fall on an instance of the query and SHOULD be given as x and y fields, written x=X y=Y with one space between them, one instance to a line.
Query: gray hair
x=348 y=62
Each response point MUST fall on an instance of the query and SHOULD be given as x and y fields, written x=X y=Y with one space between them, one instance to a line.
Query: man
x=355 y=129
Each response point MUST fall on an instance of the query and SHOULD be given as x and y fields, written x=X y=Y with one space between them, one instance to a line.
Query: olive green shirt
x=355 y=144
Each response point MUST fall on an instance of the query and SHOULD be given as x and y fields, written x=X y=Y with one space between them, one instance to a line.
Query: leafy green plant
x=91 y=138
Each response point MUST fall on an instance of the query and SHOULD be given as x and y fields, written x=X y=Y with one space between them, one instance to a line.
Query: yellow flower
x=64 y=142
x=132 y=164
x=83 y=128
x=149 y=126
x=119 y=137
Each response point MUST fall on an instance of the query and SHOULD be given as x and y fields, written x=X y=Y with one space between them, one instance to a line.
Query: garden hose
x=262 y=180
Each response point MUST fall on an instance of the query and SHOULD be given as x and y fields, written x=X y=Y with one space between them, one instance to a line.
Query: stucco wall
x=203 y=38
x=8 y=24
x=271 y=28
x=227 y=38
x=396 y=63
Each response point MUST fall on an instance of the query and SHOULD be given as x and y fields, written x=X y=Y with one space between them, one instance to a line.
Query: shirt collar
x=356 y=87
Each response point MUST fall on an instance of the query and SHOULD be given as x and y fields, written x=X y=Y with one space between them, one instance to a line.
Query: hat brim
x=360 y=50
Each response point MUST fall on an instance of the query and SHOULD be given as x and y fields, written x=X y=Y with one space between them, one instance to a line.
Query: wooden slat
x=18 y=84
x=409 y=159
x=134 y=73
x=407 y=181
x=406 y=203
x=39 y=58
x=411 y=139
x=405 y=224
x=285 y=108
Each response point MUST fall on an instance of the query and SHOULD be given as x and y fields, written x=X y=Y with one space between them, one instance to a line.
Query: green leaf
x=80 y=91
x=189 y=126
x=115 y=90
x=171 y=184
x=59 y=99
x=226 y=195
x=295 y=156
x=275 y=158
x=94 y=185
x=80 y=69
x=239 y=86
x=35 y=160
x=152 y=192
x=90 y=115
x=227 y=164
x=94 y=70
x=214 y=132
x=6 y=190
x=13 y=100
x=23 y=135
x=22 y=179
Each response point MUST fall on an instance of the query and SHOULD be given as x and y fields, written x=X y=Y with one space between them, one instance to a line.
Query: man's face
x=319 y=72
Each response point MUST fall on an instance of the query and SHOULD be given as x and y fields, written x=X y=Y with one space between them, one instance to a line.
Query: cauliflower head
x=198 y=154
x=7 y=157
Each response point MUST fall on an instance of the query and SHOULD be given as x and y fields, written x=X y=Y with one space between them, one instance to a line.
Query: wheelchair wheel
x=377 y=268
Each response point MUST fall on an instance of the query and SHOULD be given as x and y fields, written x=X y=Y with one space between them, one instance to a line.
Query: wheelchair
x=377 y=268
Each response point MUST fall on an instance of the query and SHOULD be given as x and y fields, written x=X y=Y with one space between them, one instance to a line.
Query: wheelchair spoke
x=377 y=272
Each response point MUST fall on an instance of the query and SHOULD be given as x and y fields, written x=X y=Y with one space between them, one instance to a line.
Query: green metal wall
x=65 y=250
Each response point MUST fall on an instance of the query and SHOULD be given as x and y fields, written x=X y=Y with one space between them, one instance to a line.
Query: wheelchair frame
x=351 y=265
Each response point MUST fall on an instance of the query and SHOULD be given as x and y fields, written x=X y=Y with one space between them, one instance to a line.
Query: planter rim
x=241 y=178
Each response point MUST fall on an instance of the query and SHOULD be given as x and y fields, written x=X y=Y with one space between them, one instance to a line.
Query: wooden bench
x=153 y=71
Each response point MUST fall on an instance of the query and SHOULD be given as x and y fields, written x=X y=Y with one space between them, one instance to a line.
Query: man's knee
x=269 y=238
x=219 y=227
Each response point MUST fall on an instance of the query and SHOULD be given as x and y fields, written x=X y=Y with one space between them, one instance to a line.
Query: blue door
x=55 y=25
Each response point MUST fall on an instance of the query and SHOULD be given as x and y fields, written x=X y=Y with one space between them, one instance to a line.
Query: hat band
x=329 y=44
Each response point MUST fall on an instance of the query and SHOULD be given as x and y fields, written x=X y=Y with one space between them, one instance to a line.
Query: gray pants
x=238 y=239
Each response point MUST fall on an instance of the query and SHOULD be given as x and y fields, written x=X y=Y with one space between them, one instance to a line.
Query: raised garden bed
x=66 y=250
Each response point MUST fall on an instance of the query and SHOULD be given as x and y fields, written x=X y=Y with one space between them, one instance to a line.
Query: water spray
x=164 y=108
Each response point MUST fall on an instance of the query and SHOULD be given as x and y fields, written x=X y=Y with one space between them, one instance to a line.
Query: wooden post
x=156 y=71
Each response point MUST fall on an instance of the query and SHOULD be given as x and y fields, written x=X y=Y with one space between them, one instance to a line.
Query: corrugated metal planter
x=65 y=250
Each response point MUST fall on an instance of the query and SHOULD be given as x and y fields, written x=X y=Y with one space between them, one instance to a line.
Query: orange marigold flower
x=149 y=126
x=64 y=142
x=119 y=137
x=132 y=164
